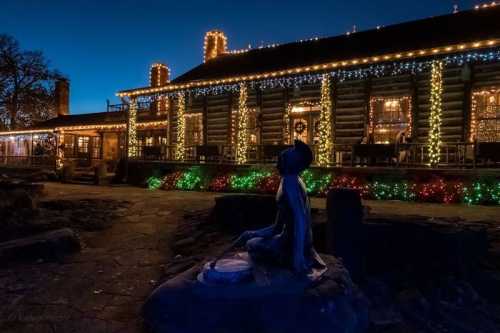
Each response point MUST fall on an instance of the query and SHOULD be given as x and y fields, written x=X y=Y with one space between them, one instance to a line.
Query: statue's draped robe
x=288 y=241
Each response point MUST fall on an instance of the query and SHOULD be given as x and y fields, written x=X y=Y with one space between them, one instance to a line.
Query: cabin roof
x=98 y=118
x=462 y=27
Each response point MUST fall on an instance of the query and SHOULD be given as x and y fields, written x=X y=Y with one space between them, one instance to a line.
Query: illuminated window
x=83 y=144
x=388 y=117
x=69 y=145
x=486 y=110
x=194 y=129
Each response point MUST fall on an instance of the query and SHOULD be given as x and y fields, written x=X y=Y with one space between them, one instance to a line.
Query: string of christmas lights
x=180 y=149
x=436 y=109
x=292 y=79
x=242 y=141
x=319 y=181
x=483 y=115
x=60 y=150
x=286 y=124
x=132 y=128
x=325 y=124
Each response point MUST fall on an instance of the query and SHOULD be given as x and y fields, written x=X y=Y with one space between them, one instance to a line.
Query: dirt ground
x=102 y=288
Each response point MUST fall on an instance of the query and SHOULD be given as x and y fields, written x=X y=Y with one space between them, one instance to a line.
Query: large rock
x=280 y=303
x=48 y=246
x=345 y=231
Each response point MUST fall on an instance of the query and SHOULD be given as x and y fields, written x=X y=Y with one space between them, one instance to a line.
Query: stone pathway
x=102 y=288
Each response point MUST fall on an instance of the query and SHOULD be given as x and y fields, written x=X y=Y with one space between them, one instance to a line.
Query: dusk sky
x=106 y=46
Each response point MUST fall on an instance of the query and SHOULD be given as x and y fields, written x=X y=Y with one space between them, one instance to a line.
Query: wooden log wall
x=486 y=76
x=351 y=105
x=218 y=115
x=272 y=108
x=350 y=111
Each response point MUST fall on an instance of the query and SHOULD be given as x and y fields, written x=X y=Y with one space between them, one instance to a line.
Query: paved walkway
x=102 y=288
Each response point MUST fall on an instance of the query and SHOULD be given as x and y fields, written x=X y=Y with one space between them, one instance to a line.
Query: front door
x=305 y=127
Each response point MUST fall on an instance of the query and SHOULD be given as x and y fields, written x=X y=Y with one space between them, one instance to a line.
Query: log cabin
x=420 y=93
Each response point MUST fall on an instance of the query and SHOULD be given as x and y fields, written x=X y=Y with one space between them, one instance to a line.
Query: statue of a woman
x=288 y=242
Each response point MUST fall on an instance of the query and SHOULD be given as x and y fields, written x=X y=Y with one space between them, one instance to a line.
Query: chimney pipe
x=62 y=97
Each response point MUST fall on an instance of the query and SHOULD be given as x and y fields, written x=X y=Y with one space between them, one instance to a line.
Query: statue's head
x=296 y=159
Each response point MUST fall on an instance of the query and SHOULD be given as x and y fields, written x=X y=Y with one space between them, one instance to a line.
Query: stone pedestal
x=274 y=301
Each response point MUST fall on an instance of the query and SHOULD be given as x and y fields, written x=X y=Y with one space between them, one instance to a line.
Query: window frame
x=475 y=121
x=372 y=118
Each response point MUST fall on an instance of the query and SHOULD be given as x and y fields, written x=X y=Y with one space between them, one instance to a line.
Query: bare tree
x=26 y=85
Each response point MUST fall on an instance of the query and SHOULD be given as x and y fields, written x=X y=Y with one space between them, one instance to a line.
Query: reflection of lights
x=299 y=109
x=12 y=138
x=392 y=103
x=35 y=137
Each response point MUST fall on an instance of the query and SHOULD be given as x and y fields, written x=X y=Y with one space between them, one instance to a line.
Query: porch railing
x=456 y=155
x=459 y=155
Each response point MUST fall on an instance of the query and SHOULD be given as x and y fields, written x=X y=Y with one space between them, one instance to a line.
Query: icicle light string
x=295 y=81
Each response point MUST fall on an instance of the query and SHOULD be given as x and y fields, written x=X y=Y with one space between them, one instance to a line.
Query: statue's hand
x=246 y=236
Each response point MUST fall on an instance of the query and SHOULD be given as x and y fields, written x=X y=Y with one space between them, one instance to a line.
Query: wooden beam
x=468 y=79
x=333 y=97
x=229 y=112
x=170 y=120
x=368 y=92
x=286 y=100
x=205 y=120
x=415 y=105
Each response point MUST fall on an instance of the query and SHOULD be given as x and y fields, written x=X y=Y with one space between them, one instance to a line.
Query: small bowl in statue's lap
x=233 y=270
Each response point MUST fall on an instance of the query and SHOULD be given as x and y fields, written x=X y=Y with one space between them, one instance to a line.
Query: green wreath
x=300 y=127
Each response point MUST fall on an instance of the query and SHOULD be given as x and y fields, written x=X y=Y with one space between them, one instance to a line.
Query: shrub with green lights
x=319 y=181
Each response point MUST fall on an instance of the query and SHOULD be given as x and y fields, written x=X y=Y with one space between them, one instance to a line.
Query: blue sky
x=105 y=46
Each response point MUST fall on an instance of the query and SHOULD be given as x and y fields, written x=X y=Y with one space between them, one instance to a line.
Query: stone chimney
x=62 y=97
x=159 y=75
x=215 y=44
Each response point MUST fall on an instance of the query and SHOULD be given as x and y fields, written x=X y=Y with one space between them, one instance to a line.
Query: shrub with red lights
x=170 y=180
x=351 y=182
x=439 y=191
x=319 y=181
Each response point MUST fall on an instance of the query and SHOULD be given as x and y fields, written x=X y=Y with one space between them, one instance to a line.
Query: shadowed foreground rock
x=49 y=246
x=271 y=305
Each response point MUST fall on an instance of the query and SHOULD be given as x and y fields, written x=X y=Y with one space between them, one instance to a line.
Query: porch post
x=132 y=129
x=180 y=148
x=436 y=109
x=325 y=124
x=59 y=149
x=242 y=137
